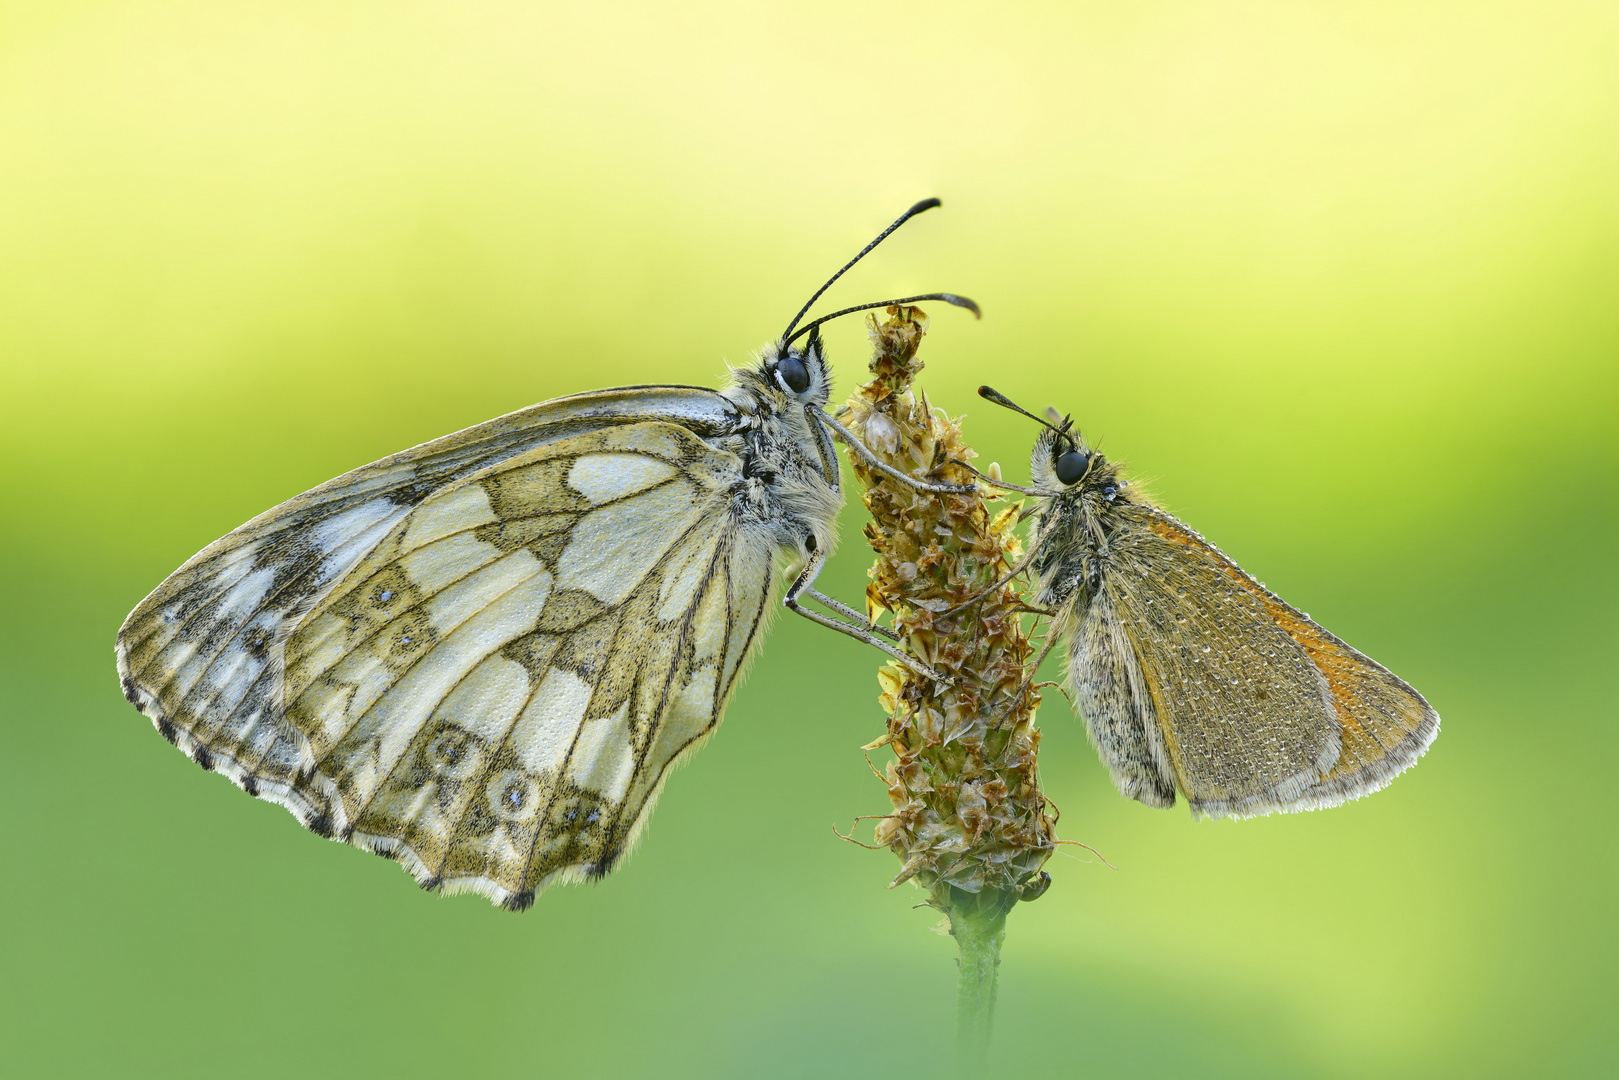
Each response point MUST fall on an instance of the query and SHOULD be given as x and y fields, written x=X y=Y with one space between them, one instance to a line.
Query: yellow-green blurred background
x=1338 y=278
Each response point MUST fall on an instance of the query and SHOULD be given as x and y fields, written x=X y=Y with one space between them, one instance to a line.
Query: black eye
x=809 y=542
x=1072 y=465
x=793 y=373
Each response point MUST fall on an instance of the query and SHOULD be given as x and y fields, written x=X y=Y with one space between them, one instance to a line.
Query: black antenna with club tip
x=924 y=205
x=989 y=393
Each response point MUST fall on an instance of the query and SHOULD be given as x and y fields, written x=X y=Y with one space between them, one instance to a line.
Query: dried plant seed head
x=969 y=821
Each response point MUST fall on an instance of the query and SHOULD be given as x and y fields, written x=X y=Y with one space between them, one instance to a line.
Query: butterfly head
x=799 y=371
x=1062 y=461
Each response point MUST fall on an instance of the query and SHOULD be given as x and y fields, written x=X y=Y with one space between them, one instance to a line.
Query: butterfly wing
x=496 y=691
x=1112 y=696
x=203 y=655
x=1239 y=700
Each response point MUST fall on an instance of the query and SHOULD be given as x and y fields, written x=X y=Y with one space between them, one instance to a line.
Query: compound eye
x=1072 y=465
x=793 y=373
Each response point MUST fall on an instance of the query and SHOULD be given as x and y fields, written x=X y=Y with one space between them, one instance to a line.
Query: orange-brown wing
x=1258 y=708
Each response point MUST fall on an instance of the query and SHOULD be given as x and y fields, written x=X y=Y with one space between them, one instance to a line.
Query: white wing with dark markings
x=207 y=654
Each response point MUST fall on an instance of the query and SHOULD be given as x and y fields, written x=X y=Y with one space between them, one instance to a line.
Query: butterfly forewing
x=1257 y=707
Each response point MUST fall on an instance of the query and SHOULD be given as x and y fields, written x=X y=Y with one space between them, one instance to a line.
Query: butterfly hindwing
x=1111 y=694
x=496 y=691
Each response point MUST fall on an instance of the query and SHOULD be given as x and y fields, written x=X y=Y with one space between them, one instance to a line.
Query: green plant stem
x=978 y=923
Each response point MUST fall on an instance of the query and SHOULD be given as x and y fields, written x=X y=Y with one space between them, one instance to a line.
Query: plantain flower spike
x=969 y=821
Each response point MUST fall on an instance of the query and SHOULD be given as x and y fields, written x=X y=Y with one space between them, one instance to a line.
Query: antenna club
x=991 y=394
x=925 y=204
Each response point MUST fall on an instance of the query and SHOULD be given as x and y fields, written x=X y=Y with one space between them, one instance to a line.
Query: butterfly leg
x=870 y=639
x=992 y=482
x=1015 y=571
x=850 y=613
x=1028 y=684
x=859 y=632
x=871 y=460
x=1023 y=564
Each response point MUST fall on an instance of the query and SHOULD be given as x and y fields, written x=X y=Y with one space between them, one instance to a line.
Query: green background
x=1337 y=279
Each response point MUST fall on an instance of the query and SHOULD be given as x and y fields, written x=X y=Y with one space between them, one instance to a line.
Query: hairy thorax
x=786 y=487
x=1082 y=526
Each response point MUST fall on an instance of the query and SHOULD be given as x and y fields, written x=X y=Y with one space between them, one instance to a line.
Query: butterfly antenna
x=989 y=393
x=949 y=298
x=925 y=204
